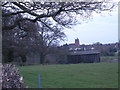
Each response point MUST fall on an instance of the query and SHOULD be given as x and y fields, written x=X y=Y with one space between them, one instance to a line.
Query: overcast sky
x=103 y=29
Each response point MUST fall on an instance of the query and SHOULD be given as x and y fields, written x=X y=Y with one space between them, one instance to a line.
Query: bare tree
x=45 y=38
x=62 y=13
x=33 y=38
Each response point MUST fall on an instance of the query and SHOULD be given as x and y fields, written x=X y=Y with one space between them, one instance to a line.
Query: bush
x=11 y=77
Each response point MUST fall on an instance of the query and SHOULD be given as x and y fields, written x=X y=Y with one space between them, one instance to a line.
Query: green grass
x=108 y=58
x=98 y=75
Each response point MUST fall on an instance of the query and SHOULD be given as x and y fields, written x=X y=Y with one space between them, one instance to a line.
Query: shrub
x=11 y=77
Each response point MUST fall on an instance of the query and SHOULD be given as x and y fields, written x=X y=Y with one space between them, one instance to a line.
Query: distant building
x=83 y=57
x=74 y=45
x=82 y=53
x=77 y=43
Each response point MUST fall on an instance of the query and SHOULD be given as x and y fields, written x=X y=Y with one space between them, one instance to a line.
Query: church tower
x=77 y=43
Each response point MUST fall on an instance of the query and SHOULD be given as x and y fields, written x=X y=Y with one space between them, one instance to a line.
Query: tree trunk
x=23 y=59
x=10 y=56
x=42 y=58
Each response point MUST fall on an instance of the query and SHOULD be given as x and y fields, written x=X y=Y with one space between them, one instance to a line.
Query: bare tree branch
x=61 y=12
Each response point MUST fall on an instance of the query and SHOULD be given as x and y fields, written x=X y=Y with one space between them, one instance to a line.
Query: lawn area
x=94 y=75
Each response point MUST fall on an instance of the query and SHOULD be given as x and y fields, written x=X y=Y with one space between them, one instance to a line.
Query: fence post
x=39 y=86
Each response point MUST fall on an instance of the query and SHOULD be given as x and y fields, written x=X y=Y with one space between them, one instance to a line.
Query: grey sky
x=102 y=29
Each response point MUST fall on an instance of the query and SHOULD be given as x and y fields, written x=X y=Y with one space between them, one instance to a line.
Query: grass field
x=108 y=58
x=94 y=75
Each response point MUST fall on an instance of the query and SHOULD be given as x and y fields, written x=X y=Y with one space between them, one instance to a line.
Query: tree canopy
x=62 y=13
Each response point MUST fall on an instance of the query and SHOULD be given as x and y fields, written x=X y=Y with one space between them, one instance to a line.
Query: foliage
x=11 y=77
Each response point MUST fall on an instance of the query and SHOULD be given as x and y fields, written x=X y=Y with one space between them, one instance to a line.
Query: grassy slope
x=99 y=75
